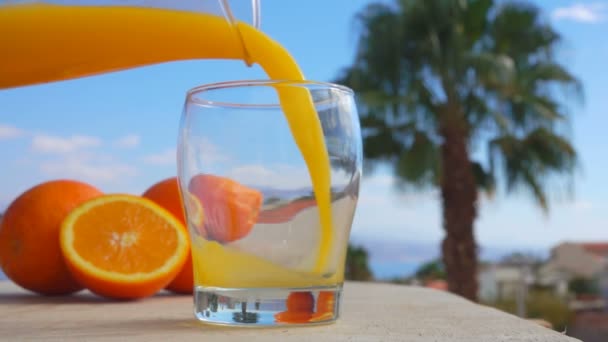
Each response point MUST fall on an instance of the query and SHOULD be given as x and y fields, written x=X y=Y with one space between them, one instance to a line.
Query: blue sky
x=118 y=131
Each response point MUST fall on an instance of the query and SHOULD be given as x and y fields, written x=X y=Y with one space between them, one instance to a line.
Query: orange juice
x=248 y=271
x=44 y=43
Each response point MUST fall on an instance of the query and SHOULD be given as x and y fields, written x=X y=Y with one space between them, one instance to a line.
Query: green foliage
x=583 y=286
x=541 y=305
x=431 y=270
x=487 y=67
x=357 y=267
x=400 y=280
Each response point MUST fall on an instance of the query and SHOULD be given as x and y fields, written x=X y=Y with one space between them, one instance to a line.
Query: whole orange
x=166 y=194
x=29 y=236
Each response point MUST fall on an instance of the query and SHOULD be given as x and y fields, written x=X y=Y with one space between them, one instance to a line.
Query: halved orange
x=229 y=209
x=123 y=246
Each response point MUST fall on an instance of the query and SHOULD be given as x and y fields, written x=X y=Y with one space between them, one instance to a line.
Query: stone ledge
x=371 y=312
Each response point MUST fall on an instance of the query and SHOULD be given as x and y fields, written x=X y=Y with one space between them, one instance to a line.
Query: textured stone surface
x=371 y=312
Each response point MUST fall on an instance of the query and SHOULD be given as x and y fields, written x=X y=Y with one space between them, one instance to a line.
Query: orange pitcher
x=53 y=40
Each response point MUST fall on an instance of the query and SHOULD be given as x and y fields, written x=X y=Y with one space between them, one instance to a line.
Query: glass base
x=264 y=307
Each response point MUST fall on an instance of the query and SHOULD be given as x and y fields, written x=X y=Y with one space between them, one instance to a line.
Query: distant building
x=503 y=280
x=587 y=263
x=571 y=260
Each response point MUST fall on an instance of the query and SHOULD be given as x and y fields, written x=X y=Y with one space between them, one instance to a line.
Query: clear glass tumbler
x=256 y=232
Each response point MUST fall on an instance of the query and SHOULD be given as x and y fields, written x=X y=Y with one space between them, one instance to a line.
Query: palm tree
x=439 y=79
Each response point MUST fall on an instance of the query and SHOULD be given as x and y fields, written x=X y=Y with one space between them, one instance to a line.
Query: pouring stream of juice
x=43 y=43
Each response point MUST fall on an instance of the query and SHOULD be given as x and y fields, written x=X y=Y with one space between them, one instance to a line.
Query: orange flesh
x=128 y=246
x=231 y=209
x=216 y=265
x=300 y=308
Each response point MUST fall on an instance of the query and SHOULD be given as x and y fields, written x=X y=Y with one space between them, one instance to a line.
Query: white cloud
x=87 y=168
x=60 y=145
x=199 y=149
x=206 y=151
x=379 y=180
x=77 y=157
x=379 y=185
x=579 y=12
x=275 y=176
x=517 y=222
x=166 y=157
x=583 y=205
x=10 y=132
x=512 y=222
x=211 y=152
x=252 y=174
x=386 y=214
x=128 y=141
x=281 y=176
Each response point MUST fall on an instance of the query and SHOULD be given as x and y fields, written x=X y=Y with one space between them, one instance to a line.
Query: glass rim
x=191 y=94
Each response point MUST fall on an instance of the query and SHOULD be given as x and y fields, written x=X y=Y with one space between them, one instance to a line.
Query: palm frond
x=418 y=163
x=484 y=178
x=530 y=160
x=533 y=183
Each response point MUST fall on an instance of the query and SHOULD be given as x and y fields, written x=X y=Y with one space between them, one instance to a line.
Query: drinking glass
x=257 y=237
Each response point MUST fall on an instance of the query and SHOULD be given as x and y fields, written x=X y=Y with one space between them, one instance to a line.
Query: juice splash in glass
x=80 y=38
x=261 y=255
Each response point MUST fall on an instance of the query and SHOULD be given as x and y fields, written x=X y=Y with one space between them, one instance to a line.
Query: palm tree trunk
x=459 y=197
